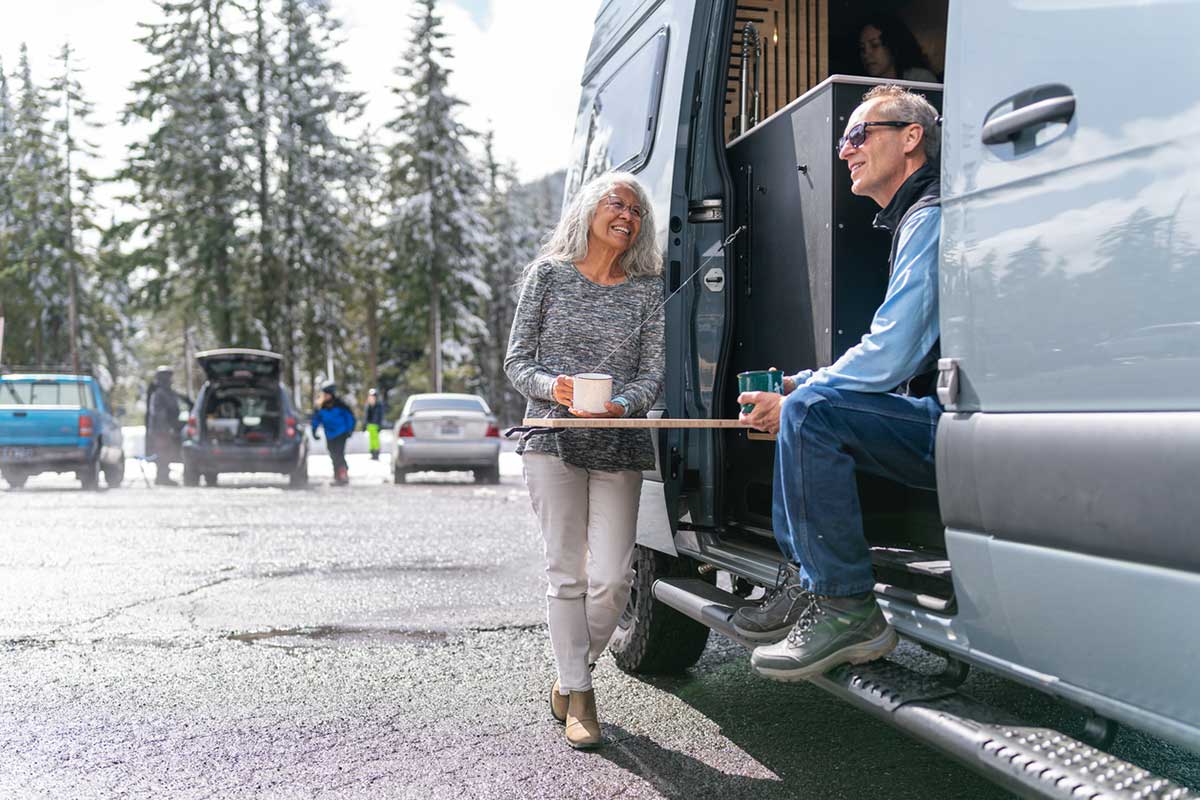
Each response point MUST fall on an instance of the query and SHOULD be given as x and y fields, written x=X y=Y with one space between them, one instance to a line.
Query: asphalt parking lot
x=380 y=641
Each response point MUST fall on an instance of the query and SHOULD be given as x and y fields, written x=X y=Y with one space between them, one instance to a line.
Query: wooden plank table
x=609 y=423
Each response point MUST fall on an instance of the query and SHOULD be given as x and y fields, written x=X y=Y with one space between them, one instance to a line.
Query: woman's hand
x=564 y=390
x=611 y=410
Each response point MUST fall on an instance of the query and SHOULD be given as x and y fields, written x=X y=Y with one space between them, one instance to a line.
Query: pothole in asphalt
x=335 y=635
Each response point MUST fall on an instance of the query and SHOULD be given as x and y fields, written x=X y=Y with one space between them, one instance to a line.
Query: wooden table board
x=634 y=422
x=644 y=423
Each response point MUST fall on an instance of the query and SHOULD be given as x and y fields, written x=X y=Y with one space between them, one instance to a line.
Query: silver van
x=1061 y=549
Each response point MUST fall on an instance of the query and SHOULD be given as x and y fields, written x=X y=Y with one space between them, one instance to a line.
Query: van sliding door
x=1070 y=282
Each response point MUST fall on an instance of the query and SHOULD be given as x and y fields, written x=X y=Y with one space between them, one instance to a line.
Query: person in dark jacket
x=162 y=425
x=338 y=421
x=373 y=422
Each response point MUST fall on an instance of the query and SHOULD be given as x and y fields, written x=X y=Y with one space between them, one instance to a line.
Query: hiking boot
x=830 y=631
x=583 y=728
x=558 y=703
x=771 y=620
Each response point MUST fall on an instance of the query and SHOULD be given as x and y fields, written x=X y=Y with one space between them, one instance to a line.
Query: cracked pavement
x=380 y=641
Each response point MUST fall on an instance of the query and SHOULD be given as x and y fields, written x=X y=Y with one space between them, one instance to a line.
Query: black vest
x=922 y=189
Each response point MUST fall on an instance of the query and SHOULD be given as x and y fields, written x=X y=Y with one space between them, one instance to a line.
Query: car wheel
x=191 y=475
x=298 y=477
x=15 y=478
x=89 y=476
x=490 y=475
x=399 y=474
x=651 y=637
x=114 y=474
x=210 y=479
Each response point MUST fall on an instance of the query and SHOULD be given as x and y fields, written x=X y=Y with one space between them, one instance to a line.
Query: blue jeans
x=824 y=435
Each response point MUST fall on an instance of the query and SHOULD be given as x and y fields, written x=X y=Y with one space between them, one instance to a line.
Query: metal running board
x=704 y=603
x=1032 y=762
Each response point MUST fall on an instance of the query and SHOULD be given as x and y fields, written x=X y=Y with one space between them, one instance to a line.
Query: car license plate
x=450 y=429
x=16 y=453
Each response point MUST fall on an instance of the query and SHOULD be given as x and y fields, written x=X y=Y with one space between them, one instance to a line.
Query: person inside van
x=852 y=415
x=591 y=298
x=888 y=49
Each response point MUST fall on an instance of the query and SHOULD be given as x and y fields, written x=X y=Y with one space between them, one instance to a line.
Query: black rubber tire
x=653 y=638
x=15 y=478
x=114 y=474
x=191 y=475
x=210 y=478
x=489 y=475
x=89 y=475
x=298 y=478
x=398 y=475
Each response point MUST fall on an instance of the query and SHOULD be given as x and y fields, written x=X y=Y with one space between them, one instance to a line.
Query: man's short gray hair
x=902 y=105
x=569 y=241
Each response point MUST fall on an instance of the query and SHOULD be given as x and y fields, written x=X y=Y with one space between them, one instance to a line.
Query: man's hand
x=564 y=390
x=611 y=410
x=765 y=416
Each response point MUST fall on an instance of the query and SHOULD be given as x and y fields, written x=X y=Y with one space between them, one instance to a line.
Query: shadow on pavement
x=817 y=745
x=677 y=776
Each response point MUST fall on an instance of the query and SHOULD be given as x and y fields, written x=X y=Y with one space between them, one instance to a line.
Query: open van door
x=639 y=111
x=1071 y=354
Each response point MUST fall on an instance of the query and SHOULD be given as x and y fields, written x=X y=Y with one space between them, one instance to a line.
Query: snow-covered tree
x=190 y=172
x=34 y=276
x=317 y=166
x=439 y=233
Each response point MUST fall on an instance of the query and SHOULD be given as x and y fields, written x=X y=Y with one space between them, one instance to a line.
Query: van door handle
x=20 y=413
x=1006 y=127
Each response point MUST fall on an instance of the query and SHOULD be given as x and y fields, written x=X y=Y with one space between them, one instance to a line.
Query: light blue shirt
x=905 y=326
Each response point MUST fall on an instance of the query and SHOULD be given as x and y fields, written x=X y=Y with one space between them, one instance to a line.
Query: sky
x=517 y=63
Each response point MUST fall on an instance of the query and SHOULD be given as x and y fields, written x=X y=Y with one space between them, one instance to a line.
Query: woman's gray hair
x=569 y=241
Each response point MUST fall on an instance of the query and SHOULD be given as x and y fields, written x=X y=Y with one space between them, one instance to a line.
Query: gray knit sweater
x=564 y=325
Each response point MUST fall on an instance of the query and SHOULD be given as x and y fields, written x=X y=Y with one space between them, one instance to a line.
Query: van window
x=634 y=91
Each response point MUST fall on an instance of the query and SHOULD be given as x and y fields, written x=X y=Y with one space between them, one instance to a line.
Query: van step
x=704 y=603
x=1033 y=762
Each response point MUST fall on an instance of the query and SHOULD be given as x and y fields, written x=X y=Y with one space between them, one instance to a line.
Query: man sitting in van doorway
x=865 y=411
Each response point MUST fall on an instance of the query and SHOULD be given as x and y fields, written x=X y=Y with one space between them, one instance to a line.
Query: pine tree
x=7 y=220
x=190 y=172
x=316 y=166
x=34 y=286
x=501 y=264
x=438 y=231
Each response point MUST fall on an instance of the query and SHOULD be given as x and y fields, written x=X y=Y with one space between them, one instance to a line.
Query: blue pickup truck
x=58 y=423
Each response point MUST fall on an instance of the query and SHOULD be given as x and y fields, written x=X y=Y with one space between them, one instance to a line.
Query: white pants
x=589 y=523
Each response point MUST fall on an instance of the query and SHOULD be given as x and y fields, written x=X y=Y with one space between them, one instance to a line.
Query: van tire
x=114 y=474
x=651 y=637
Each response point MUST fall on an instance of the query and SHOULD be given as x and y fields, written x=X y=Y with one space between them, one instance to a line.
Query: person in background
x=593 y=293
x=338 y=420
x=888 y=49
x=373 y=422
x=162 y=426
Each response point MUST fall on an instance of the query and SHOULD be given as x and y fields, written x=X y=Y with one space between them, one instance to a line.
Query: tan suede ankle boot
x=558 y=703
x=583 y=727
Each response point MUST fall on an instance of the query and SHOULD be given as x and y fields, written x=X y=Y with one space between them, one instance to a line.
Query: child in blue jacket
x=338 y=421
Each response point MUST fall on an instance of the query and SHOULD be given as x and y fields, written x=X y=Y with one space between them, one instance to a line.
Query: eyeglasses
x=858 y=133
x=620 y=207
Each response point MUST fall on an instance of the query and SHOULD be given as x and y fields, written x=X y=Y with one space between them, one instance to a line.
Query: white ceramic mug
x=592 y=391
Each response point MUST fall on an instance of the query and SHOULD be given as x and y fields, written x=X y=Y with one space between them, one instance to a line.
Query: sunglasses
x=858 y=133
x=619 y=206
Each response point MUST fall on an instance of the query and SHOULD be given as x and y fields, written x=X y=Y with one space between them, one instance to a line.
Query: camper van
x=1060 y=549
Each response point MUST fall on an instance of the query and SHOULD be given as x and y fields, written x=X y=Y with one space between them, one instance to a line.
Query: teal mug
x=759 y=380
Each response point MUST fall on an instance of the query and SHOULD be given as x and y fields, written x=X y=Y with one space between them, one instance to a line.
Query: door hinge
x=708 y=210
x=947 y=383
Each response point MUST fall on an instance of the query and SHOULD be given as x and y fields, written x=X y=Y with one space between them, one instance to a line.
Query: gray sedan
x=447 y=432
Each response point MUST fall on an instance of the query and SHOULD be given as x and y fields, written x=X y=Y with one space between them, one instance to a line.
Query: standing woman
x=583 y=303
